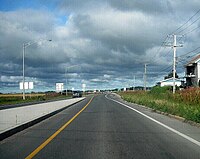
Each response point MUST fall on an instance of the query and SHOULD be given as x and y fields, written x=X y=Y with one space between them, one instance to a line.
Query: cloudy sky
x=103 y=44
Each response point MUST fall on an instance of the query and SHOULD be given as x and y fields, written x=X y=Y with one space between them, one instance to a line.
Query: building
x=192 y=72
x=170 y=82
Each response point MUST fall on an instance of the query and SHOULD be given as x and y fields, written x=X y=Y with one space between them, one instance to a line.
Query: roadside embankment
x=185 y=103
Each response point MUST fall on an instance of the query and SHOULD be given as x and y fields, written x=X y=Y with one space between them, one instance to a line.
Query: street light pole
x=23 y=62
x=23 y=72
x=66 y=72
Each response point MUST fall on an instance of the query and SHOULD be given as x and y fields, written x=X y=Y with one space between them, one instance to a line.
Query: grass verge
x=10 y=99
x=185 y=103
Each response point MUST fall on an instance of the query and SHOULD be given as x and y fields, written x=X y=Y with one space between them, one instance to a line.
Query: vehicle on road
x=76 y=94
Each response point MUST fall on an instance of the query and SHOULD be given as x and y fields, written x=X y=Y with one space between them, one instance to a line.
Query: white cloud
x=110 y=40
x=10 y=78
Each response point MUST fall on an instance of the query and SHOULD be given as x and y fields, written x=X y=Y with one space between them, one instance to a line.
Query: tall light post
x=66 y=71
x=25 y=45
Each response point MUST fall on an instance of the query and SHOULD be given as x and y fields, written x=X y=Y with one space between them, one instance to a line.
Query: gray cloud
x=109 y=40
x=152 y=6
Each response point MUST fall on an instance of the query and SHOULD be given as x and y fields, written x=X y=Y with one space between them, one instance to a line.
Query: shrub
x=159 y=90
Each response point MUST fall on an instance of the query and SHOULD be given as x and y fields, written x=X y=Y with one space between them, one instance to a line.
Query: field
x=20 y=95
x=185 y=103
x=8 y=99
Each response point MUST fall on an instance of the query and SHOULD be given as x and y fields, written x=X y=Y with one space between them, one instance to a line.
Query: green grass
x=185 y=103
x=17 y=99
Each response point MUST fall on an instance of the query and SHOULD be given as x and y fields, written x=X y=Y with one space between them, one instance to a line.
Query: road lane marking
x=156 y=121
x=38 y=149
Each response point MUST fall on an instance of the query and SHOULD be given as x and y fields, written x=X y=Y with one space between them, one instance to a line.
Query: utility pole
x=134 y=82
x=145 y=76
x=174 y=46
x=174 y=65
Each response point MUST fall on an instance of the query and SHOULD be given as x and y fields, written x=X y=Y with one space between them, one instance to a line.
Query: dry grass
x=160 y=101
x=7 y=99
x=20 y=95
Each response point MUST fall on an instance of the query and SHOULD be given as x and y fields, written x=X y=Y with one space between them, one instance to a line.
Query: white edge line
x=167 y=127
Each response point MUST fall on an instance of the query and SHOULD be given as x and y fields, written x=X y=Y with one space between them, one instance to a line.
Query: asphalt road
x=103 y=130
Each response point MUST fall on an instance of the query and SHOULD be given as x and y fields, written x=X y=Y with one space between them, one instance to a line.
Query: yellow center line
x=38 y=149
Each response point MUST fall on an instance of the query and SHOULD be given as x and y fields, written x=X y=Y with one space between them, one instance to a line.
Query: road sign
x=59 y=87
x=27 y=85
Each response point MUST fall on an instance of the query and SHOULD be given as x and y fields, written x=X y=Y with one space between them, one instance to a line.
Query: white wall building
x=169 y=82
x=192 y=72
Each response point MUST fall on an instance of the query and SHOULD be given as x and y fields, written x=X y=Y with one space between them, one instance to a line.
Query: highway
x=100 y=128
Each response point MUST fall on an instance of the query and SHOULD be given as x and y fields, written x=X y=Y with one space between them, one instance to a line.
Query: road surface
x=100 y=128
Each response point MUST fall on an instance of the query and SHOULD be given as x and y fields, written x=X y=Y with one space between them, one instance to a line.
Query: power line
x=159 y=49
x=168 y=52
x=180 y=29
x=185 y=22
x=189 y=25
x=184 y=60
x=166 y=68
x=189 y=52
x=192 y=30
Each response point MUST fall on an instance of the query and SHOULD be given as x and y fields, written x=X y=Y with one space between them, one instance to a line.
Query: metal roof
x=193 y=60
x=169 y=79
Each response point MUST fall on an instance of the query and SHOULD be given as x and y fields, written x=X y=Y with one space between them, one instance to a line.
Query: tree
x=170 y=75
